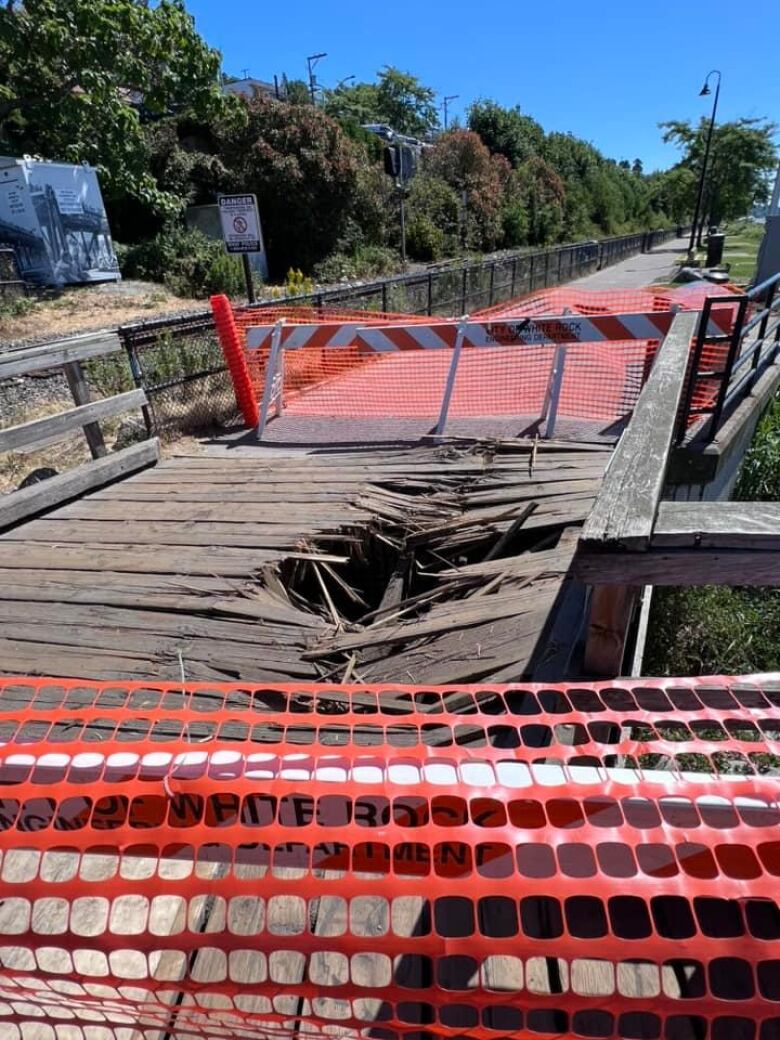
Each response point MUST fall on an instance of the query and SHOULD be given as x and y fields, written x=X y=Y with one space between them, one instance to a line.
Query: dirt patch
x=85 y=308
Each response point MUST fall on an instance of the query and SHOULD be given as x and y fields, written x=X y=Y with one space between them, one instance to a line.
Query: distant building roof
x=250 y=87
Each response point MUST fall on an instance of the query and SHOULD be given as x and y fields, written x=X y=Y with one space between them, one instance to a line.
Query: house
x=251 y=87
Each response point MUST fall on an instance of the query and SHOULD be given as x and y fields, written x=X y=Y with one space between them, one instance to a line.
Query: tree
x=354 y=105
x=506 y=131
x=408 y=106
x=434 y=208
x=545 y=196
x=743 y=152
x=296 y=92
x=80 y=78
x=673 y=193
x=461 y=159
x=397 y=99
x=304 y=170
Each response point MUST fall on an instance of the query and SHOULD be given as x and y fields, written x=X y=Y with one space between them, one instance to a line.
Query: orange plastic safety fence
x=568 y=299
x=601 y=382
x=278 y=861
x=307 y=371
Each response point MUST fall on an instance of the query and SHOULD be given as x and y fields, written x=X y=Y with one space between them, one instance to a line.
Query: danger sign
x=240 y=224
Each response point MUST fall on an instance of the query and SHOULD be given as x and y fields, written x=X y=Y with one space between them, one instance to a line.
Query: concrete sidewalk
x=638 y=271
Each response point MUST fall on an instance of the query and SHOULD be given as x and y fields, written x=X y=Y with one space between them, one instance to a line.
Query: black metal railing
x=746 y=351
x=179 y=363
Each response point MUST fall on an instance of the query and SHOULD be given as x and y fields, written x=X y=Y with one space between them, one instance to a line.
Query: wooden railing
x=68 y=355
x=633 y=538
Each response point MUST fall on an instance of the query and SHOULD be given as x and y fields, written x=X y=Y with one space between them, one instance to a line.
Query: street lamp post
x=341 y=82
x=447 y=99
x=700 y=194
x=311 y=62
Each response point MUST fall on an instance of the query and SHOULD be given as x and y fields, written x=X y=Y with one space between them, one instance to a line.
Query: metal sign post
x=274 y=389
x=242 y=233
x=553 y=393
x=450 y=386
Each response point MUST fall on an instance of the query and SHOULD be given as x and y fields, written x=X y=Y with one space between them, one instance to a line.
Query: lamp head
x=705 y=90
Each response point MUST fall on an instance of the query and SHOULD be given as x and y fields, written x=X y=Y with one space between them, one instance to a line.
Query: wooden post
x=611 y=610
x=74 y=374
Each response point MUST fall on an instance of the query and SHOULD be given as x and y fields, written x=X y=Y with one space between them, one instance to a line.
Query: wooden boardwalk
x=420 y=564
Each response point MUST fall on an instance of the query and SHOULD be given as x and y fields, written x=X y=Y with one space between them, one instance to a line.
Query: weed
x=18 y=307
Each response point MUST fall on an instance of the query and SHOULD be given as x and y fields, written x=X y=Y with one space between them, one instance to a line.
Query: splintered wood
x=428 y=564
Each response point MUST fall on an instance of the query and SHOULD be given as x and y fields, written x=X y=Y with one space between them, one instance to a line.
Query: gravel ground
x=88 y=309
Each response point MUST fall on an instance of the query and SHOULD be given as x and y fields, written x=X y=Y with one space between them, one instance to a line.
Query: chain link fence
x=178 y=361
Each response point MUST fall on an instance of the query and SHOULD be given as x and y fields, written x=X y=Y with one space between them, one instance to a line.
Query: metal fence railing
x=734 y=362
x=179 y=363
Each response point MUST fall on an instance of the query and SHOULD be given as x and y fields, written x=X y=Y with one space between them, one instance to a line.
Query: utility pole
x=774 y=205
x=447 y=99
x=401 y=195
x=311 y=62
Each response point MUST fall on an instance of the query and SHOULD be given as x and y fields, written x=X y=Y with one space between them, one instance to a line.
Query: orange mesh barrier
x=568 y=299
x=598 y=860
x=601 y=382
x=306 y=369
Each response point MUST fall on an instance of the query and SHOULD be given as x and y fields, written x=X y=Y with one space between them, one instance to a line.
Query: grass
x=720 y=630
x=743 y=239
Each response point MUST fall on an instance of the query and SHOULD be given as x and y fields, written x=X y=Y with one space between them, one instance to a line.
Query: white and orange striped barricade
x=322 y=339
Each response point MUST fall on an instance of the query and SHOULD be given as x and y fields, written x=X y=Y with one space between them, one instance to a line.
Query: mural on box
x=53 y=216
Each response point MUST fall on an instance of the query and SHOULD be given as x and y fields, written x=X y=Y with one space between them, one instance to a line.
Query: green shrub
x=424 y=240
x=514 y=221
x=186 y=262
x=365 y=262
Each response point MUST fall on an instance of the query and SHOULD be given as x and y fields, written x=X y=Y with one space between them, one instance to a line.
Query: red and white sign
x=538 y=331
x=240 y=224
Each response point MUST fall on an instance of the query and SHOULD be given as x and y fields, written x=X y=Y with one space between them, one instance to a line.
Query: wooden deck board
x=185 y=565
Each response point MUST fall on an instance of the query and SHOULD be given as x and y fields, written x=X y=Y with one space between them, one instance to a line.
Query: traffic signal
x=408 y=162
x=400 y=162
x=390 y=156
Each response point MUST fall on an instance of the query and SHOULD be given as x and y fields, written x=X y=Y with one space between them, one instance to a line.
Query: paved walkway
x=638 y=271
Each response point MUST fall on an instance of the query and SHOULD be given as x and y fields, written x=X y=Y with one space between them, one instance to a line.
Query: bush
x=514 y=221
x=186 y=262
x=303 y=169
x=424 y=240
x=366 y=262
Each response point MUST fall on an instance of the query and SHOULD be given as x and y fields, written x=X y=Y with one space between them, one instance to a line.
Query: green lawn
x=743 y=239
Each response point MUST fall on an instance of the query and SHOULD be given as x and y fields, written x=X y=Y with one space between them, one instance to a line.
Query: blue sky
x=607 y=71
